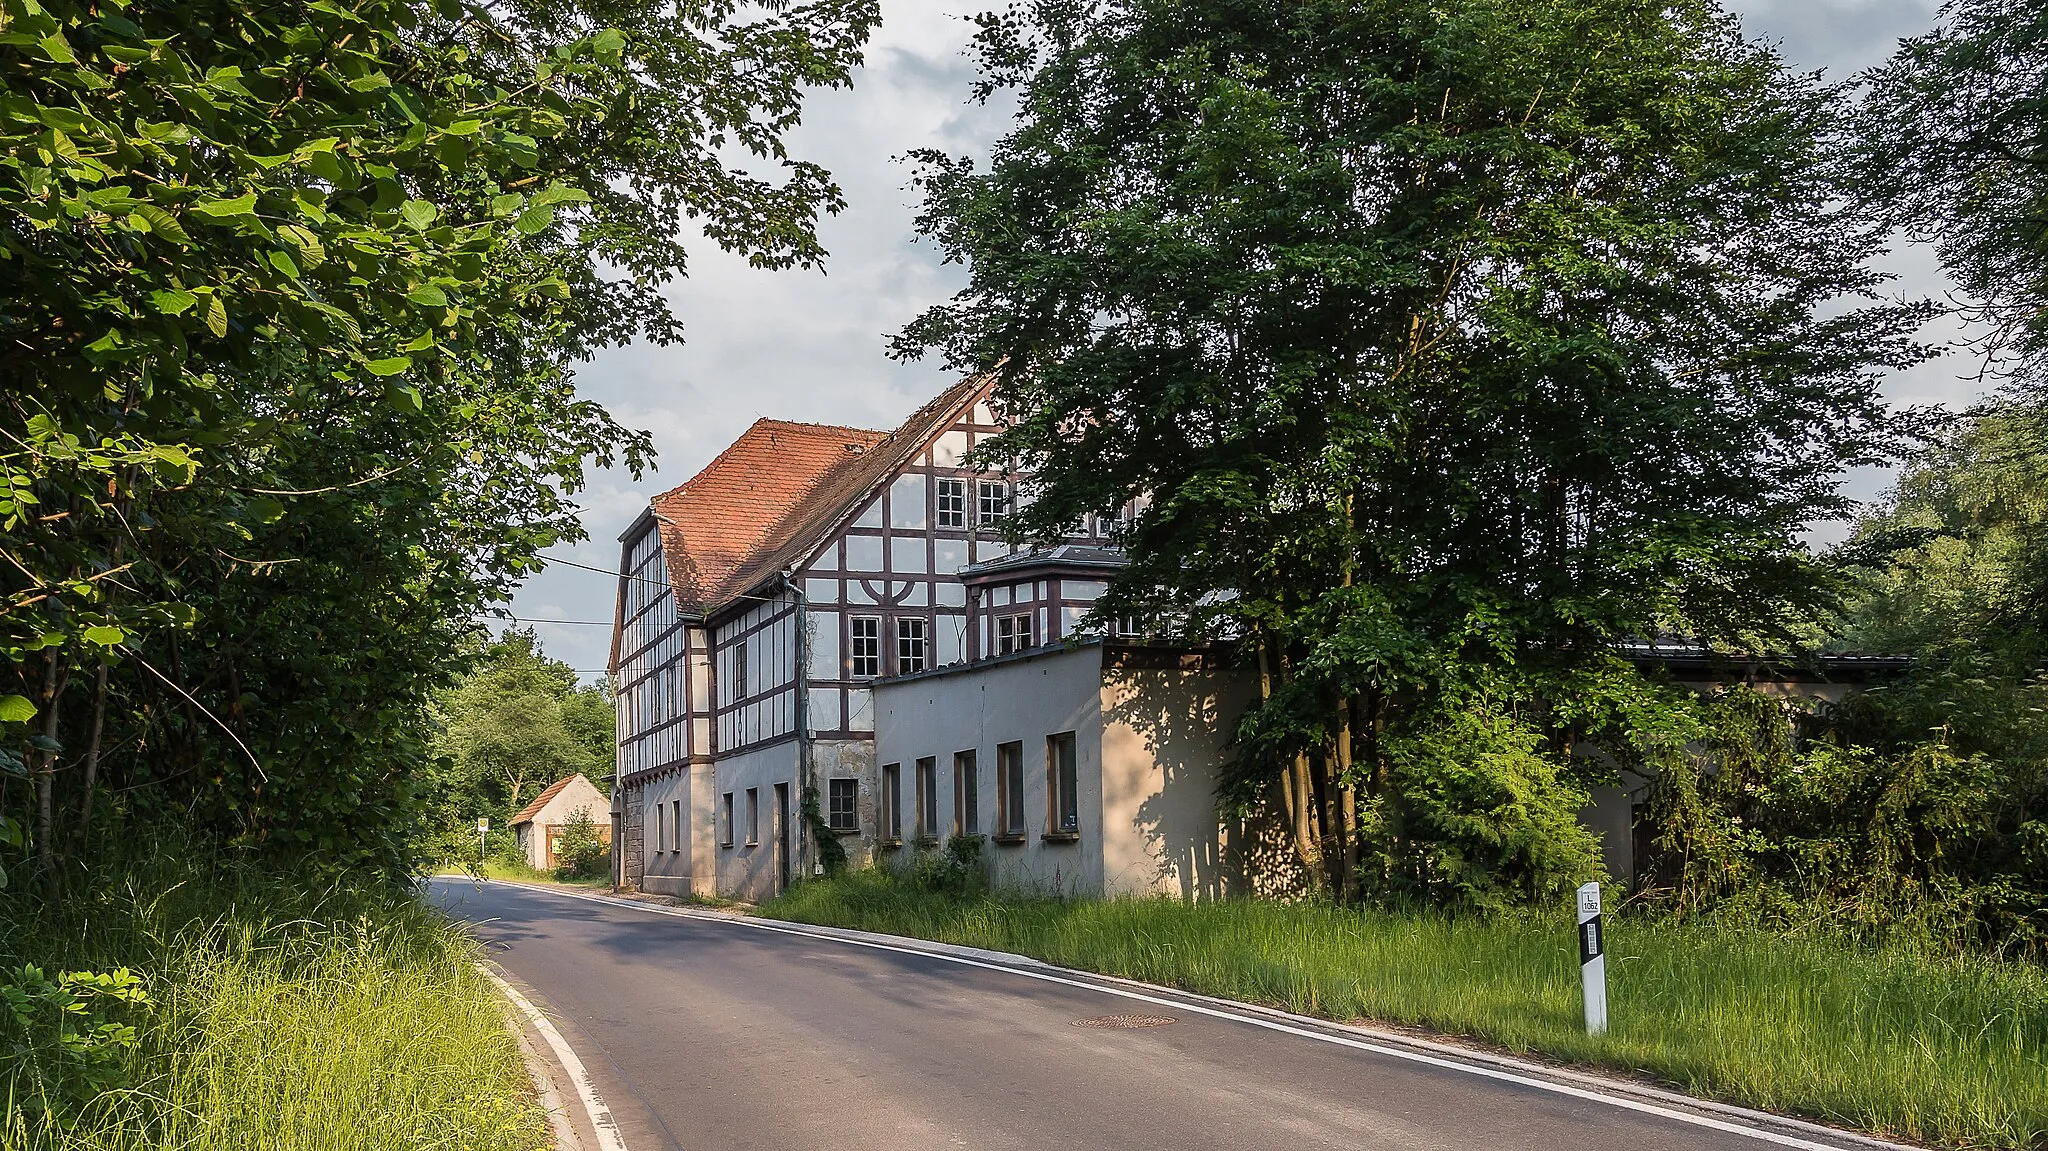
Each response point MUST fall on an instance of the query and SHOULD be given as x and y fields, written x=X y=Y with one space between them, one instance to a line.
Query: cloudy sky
x=809 y=345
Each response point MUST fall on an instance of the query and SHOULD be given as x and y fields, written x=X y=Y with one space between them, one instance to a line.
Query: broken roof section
x=781 y=490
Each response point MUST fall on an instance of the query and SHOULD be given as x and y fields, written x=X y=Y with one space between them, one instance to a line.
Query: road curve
x=713 y=1036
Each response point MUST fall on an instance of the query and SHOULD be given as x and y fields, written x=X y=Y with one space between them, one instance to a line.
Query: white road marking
x=1623 y=1102
x=601 y=1121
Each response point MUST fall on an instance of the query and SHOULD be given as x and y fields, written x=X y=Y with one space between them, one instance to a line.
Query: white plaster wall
x=745 y=872
x=1164 y=737
x=666 y=859
x=980 y=708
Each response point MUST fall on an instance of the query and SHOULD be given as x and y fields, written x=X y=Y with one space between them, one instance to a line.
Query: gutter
x=807 y=784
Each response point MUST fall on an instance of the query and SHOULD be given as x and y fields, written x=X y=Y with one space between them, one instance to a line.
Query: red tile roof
x=728 y=514
x=781 y=489
x=533 y=809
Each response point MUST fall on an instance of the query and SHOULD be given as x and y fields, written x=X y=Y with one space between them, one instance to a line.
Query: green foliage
x=1447 y=346
x=830 y=851
x=1955 y=559
x=953 y=869
x=293 y=296
x=1955 y=131
x=580 y=853
x=270 y=1015
x=514 y=723
x=1908 y=811
x=1943 y=1049
x=65 y=1040
x=1494 y=820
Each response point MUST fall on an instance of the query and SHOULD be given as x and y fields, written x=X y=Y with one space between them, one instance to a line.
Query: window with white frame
x=1013 y=633
x=739 y=671
x=675 y=825
x=842 y=804
x=753 y=816
x=928 y=798
x=725 y=820
x=1063 y=815
x=911 y=646
x=867 y=645
x=952 y=506
x=995 y=501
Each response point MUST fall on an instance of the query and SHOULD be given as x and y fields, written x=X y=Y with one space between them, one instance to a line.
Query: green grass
x=521 y=873
x=1941 y=1049
x=281 y=1020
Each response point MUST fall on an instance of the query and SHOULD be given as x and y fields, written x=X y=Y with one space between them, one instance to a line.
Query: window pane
x=842 y=799
x=753 y=815
x=952 y=509
x=1010 y=785
x=1065 y=804
x=867 y=646
x=995 y=499
x=910 y=646
x=927 y=797
x=892 y=801
x=966 y=795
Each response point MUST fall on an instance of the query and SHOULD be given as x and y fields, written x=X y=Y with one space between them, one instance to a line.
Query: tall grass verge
x=1940 y=1049
x=279 y=1018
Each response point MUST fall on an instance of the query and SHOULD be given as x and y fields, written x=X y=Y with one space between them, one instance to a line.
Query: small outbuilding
x=538 y=826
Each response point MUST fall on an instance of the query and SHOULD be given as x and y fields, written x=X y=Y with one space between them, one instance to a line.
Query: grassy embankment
x=1934 y=1048
x=279 y=1019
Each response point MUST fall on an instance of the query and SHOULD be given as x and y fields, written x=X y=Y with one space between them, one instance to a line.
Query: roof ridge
x=815 y=424
x=552 y=790
x=740 y=439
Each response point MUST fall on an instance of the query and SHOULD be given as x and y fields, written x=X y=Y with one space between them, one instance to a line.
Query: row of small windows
x=992 y=502
x=1063 y=809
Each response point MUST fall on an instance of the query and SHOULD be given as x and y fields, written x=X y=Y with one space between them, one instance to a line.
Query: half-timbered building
x=760 y=600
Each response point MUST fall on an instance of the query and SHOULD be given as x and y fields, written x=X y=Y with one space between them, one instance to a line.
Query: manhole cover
x=1125 y=1020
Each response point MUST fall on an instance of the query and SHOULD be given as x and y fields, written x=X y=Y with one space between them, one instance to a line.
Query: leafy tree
x=289 y=296
x=1452 y=344
x=506 y=731
x=1956 y=152
x=1956 y=558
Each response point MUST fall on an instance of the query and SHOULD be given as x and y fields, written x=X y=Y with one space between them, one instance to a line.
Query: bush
x=581 y=853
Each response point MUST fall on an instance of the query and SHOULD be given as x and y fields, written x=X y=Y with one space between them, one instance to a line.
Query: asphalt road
x=714 y=1036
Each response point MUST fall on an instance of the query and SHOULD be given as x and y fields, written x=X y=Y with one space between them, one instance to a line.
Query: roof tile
x=778 y=492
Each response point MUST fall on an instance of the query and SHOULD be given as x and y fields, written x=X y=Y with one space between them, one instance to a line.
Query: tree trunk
x=1304 y=821
x=90 y=780
x=46 y=773
x=1346 y=796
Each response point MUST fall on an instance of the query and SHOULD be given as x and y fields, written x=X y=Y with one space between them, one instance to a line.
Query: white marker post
x=482 y=826
x=1592 y=959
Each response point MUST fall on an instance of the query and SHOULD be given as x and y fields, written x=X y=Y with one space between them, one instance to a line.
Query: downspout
x=807 y=785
